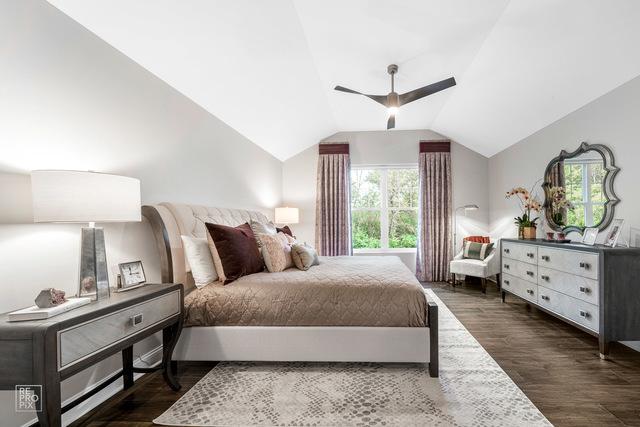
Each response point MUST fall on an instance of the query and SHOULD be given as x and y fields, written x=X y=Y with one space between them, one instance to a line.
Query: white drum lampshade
x=75 y=196
x=287 y=215
x=89 y=197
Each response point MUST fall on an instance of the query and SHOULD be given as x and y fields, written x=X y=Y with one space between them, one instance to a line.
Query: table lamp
x=287 y=216
x=86 y=197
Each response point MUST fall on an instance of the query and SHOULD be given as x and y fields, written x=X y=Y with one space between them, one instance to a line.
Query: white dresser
x=595 y=288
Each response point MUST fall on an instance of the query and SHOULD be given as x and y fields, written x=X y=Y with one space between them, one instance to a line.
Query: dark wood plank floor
x=557 y=367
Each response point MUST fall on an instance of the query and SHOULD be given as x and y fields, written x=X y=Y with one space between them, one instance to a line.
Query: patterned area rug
x=472 y=391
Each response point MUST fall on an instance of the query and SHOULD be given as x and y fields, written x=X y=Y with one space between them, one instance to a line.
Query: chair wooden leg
x=484 y=285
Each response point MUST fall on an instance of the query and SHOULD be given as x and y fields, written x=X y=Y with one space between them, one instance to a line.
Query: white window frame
x=384 y=208
x=587 y=204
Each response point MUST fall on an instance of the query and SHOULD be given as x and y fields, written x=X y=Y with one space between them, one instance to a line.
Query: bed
x=347 y=309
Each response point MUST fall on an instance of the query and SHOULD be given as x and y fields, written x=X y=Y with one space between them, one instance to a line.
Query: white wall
x=611 y=120
x=68 y=100
x=469 y=170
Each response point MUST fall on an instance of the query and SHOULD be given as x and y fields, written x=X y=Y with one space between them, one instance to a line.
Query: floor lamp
x=465 y=208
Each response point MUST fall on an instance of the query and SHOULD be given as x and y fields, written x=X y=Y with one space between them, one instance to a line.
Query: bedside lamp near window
x=86 y=197
x=287 y=216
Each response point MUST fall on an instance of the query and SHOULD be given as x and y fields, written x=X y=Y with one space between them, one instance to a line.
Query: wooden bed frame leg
x=432 y=318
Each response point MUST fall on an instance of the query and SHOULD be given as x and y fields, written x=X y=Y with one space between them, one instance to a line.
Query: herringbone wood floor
x=557 y=367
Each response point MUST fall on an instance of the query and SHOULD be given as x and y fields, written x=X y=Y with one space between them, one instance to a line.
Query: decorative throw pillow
x=304 y=256
x=276 y=252
x=260 y=228
x=200 y=260
x=235 y=250
x=474 y=250
x=286 y=230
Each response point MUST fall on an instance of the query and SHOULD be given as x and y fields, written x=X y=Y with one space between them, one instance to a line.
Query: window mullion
x=384 y=211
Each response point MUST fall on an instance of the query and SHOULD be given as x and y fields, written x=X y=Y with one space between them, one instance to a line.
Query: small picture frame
x=131 y=275
x=614 y=233
x=589 y=236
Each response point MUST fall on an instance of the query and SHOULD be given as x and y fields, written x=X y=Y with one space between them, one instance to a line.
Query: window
x=583 y=182
x=384 y=207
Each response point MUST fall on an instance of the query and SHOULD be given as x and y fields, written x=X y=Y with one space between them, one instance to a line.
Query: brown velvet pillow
x=237 y=250
x=285 y=230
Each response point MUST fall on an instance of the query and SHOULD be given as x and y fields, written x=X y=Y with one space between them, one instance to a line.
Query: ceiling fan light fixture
x=392 y=111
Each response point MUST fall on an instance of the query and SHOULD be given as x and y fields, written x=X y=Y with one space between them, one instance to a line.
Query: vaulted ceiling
x=268 y=68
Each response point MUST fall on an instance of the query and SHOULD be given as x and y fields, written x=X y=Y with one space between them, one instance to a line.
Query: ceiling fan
x=393 y=101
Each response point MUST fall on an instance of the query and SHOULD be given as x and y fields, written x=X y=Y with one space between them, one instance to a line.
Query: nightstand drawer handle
x=544 y=297
x=506 y=266
x=584 y=314
x=545 y=277
x=530 y=273
x=545 y=257
x=136 y=320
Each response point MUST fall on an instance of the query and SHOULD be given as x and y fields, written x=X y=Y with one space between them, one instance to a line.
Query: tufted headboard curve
x=171 y=220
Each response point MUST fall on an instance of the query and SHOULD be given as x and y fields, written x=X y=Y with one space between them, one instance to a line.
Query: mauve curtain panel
x=434 y=215
x=333 y=201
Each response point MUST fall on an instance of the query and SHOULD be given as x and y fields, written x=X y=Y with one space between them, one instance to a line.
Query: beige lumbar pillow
x=304 y=256
x=276 y=252
x=200 y=260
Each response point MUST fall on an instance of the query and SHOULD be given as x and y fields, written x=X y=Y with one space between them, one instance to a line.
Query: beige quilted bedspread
x=341 y=291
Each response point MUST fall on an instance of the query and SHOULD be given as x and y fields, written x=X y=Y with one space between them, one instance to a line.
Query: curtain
x=434 y=212
x=333 y=201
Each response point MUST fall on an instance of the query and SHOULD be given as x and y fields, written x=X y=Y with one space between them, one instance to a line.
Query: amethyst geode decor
x=50 y=297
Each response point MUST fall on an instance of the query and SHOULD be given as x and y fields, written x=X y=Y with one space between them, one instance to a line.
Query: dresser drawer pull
x=136 y=320
x=506 y=251
x=584 y=290
x=506 y=266
x=530 y=291
x=546 y=258
x=585 y=265
x=584 y=314
x=530 y=273
x=506 y=282
x=544 y=297
x=544 y=277
x=530 y=254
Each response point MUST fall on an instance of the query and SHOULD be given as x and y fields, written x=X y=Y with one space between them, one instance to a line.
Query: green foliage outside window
x=389 y=192
x=589 y=212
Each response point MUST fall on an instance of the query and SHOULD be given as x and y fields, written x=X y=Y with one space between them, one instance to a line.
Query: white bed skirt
x=304 y=343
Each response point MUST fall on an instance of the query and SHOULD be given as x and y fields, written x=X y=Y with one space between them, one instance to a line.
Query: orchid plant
x=528 y=203
x=559 y=204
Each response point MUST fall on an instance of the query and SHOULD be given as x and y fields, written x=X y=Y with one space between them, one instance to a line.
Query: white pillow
x=200 y=260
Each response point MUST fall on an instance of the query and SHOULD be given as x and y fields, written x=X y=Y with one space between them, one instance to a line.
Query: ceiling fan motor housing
x=393 y=100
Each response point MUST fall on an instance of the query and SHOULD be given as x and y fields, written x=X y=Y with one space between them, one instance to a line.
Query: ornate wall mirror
x=586 y=177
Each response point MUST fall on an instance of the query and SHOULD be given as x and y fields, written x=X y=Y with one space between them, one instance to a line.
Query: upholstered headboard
x=171 y=220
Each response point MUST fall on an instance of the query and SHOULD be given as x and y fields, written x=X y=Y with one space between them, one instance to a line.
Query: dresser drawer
x=528 y=272
x=519 y=287
x=575 y=286
x=583 y=264
x=571 y=308
x=78 y=342
x=520 y=252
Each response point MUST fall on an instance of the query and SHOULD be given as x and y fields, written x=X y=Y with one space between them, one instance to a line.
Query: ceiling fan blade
x=408 y=97
x=391 y=123
x=380 y=99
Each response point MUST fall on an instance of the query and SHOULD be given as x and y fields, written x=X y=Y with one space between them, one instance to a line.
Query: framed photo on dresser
x=589 y=236
x=614 y=233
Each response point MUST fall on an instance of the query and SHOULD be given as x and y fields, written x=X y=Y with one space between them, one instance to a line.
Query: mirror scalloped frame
x=607 y=186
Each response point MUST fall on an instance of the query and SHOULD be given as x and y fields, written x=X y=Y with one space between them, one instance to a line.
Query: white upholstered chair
x=483 y=269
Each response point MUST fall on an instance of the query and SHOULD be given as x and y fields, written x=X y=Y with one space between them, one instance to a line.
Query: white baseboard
x=145 y=360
